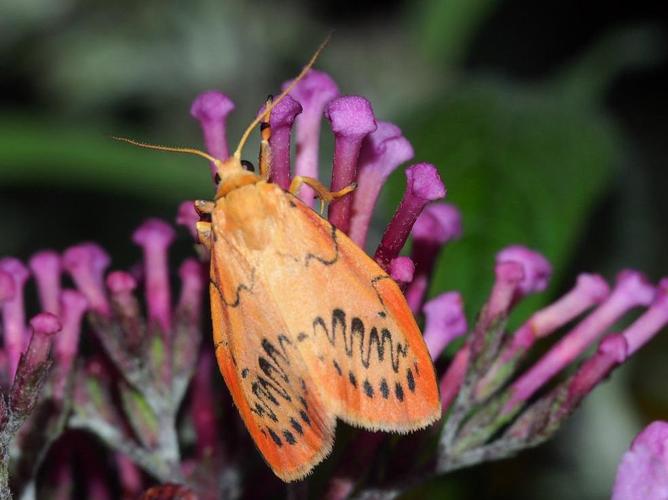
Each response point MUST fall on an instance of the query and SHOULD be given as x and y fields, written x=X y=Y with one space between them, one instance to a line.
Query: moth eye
x=216 y=179
x=247 y=165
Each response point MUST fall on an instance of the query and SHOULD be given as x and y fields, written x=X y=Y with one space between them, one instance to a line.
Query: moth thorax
x=248 y=218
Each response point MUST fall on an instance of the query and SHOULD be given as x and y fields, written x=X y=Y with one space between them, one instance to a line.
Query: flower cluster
x=145 y=387
x=125 y=384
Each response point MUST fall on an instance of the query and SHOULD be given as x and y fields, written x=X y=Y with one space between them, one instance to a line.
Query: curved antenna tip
x=169 y=149
x=298 y=78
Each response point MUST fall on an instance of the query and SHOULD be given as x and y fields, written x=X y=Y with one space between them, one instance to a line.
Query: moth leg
x=204 y=207
x=325 y=195
x=203 y=229
x=265 y=149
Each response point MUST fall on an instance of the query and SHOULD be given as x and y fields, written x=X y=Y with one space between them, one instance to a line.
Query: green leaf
x=36 y=151
x=447 y=28
x=524 y=167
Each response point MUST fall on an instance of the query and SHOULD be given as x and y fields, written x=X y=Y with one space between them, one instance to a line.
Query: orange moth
x=307 y=327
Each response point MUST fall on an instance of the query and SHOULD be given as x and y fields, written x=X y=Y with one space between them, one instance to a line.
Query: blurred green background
x=548 y=121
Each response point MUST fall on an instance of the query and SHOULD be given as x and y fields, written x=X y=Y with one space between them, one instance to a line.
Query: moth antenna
x=302 y=74
x=170 y=149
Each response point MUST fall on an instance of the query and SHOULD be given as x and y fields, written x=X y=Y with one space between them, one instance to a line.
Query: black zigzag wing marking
x=286 y=255
x=323 y=260
x=272 y=388
x=374 y=284
x=279 y=358
x=241 y=287
x=270 y=384
x=370 y=341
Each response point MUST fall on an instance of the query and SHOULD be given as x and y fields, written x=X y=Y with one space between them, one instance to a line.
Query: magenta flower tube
x=313 y=92
x=155 y=236
x=382 y=152
x=13 y=312
x=352 y=120
x=211 y=109
x=423 y=185
x=86 y=263
x=46 y=268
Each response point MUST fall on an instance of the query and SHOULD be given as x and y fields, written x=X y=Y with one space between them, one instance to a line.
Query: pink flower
x=643 y=472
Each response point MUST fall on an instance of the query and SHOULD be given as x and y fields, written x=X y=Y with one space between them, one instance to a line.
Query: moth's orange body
x=307 y=327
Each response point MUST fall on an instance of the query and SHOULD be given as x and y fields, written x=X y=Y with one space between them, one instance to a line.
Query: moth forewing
x=308 y=328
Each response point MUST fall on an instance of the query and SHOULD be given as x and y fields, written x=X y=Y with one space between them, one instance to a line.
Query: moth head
x=233 y=173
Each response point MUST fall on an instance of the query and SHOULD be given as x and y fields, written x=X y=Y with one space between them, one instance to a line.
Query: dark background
x=548 y=121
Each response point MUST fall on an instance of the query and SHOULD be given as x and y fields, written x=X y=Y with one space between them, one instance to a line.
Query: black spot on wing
x=262 y=411
x=352 y=379
x=304 y=417
x=296 y=426
x=368 y=390
x=399 y=391
x=278 y=356
x=271 y=385
x=270 y=370
x=337 y=367
x=275 y=437
x=289 y=437
x=410 y=380
x=265 y=392
x=384 y=389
